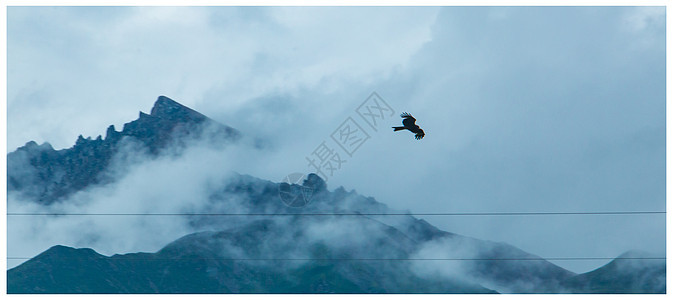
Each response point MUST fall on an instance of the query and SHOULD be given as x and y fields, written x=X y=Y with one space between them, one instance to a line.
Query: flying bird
x=410 y=124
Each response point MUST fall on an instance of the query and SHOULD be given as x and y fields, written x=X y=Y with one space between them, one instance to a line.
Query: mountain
x=483 y=264
x=634 y=272
x=201 y=263
x=341 y=242
x=39 y=172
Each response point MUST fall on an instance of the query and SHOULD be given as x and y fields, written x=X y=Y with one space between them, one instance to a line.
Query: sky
x=525 y=109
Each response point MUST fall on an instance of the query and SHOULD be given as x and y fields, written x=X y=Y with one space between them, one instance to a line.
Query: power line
x=377 y=259
x=346 y=214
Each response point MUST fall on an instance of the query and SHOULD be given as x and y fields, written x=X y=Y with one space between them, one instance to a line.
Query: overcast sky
x=546 y=109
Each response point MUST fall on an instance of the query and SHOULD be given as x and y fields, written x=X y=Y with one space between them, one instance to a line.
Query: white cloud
x=646 y=24
x=549 y=110
x=168 y=184
x=645 y=17
x=109 y=63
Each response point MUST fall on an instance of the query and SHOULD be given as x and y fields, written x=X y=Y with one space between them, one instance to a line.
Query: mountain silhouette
x=202 y=263
x=343 y=242
x=634 y=272
x=39 y=172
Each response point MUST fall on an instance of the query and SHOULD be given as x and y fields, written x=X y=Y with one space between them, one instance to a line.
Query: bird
x=410 y=124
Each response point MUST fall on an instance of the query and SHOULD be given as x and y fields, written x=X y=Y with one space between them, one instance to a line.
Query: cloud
x=92 y=62
x=168 y=184
x=645 y=17
x=535 y=114
x=525 y=109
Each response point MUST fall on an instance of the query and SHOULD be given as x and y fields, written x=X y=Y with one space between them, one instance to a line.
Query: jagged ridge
x=58 y=173
x=47 y=175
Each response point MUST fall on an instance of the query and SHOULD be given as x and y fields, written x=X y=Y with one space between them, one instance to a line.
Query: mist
x=167 y=184
x=525 y=109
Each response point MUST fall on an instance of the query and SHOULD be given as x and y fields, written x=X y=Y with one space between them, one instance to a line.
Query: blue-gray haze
x=525 y=109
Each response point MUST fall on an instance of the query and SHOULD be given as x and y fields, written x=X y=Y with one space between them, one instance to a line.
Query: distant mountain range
x=342 y=242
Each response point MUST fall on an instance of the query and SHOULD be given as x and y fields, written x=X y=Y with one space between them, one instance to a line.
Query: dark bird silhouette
x=410 y=124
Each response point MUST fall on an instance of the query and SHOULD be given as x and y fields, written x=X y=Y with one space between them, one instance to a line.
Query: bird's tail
x=398 y=128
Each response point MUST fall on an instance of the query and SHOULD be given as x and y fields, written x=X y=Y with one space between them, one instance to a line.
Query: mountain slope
x=633 y=272
x=487 y=263
x=233 y=261
x=340 y=242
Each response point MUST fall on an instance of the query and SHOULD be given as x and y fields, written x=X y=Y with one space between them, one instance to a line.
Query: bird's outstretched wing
x=409 y=121
x=410 y=124
x=407 y=115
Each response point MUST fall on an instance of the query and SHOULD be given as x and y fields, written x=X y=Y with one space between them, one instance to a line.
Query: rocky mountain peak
x=167 y=108
x=33 y=146
x=315 y=182
x=42 y=173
